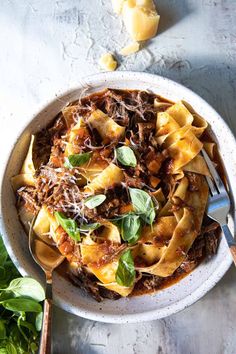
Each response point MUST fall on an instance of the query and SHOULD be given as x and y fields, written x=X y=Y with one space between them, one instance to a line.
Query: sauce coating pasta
x=117 y=182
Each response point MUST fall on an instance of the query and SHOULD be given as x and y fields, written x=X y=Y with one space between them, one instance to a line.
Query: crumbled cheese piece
x=117 y=6
x=140 y=18
x=108 y=62
x=130 y=49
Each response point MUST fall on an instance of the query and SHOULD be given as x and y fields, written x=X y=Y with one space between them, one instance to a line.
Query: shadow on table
x=74 y=333
x=229 y=280
x=171 y=13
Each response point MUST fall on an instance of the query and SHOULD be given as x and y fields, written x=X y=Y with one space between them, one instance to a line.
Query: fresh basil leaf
x=118 y=219
x=143 y=204
x=4 y=295
x=21 y=335
x=33 y=347
x=11 y=348
x=69 y=225
x=94 y=201
x=26 y=287
x=125 y=274
x=3 y=350
x=126 y=156
x=88 y=227
x=131 y=228
x=2 y=330
x=22 y=305
x=77 y=160
x=39 y=321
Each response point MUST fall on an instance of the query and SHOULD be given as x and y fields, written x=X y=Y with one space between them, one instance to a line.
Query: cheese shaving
x=130 y=49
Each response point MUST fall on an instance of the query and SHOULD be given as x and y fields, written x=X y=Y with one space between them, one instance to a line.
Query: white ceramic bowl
x=69 y=297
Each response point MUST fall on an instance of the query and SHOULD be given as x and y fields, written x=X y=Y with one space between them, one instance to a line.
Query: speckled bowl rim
x=210 y=282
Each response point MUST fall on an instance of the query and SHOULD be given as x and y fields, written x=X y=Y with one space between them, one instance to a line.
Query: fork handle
x=230 y=240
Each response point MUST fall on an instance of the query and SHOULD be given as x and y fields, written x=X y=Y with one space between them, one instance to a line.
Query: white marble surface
x=46 y=46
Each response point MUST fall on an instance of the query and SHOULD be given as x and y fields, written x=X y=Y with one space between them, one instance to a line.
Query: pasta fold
x=110 y=176
x=187 y=229
x=108 y=129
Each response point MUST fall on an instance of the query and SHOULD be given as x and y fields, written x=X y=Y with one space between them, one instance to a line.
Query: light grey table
x=46 y=46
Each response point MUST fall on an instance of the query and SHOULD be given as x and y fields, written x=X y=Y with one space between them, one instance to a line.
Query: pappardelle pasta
x=117 y=182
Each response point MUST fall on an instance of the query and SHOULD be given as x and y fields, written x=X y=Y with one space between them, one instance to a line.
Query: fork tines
x=219 y=185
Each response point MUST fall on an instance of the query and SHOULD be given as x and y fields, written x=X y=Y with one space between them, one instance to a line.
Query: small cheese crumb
x=108 y=62
x=140 y=18
x=130 y=49
x=117 y=6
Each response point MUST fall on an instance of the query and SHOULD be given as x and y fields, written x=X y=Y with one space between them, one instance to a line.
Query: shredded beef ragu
x=60 y=188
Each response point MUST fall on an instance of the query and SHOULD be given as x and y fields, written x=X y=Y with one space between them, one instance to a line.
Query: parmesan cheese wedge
x=130 y=49
x=107 y=62
x=140 y=18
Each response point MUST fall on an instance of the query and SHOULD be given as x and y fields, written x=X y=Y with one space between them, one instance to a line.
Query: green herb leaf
x=126 y=156
x=28 y=325
x=22 y=305
x=77 y=160
x=88 y=227
x=131 y=228
x=33 y=347
x=143 y=204
x=69 y=225
x=2 y=330
x=19 y=334
x=94 y=201
x=39 y=321
x=11 y=348
x=125 y=274
x=26 y=287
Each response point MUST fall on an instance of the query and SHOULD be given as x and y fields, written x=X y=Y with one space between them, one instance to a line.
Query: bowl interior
x=141 y=308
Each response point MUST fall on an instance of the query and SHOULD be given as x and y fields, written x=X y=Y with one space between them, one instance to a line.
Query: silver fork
x=219 y=204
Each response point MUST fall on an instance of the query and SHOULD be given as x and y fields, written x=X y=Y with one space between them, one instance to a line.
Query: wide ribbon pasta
x=189 y=219
x=26 y=175
x=138 y=160
x=106 y=126
x=179 y=129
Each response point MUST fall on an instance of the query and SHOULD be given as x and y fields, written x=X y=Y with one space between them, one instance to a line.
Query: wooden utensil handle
x=233 y=253
x=230 y=240
x=45 y=342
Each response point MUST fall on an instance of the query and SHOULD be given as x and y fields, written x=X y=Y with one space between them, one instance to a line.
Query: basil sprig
x=69 y=225
x=21 y=305
x=77 y=160
x=130 y=226
x=126 y=156
x=26 y=286
x=125 y=274
x=20 y=310
x=94 y=201
x=143 y=204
